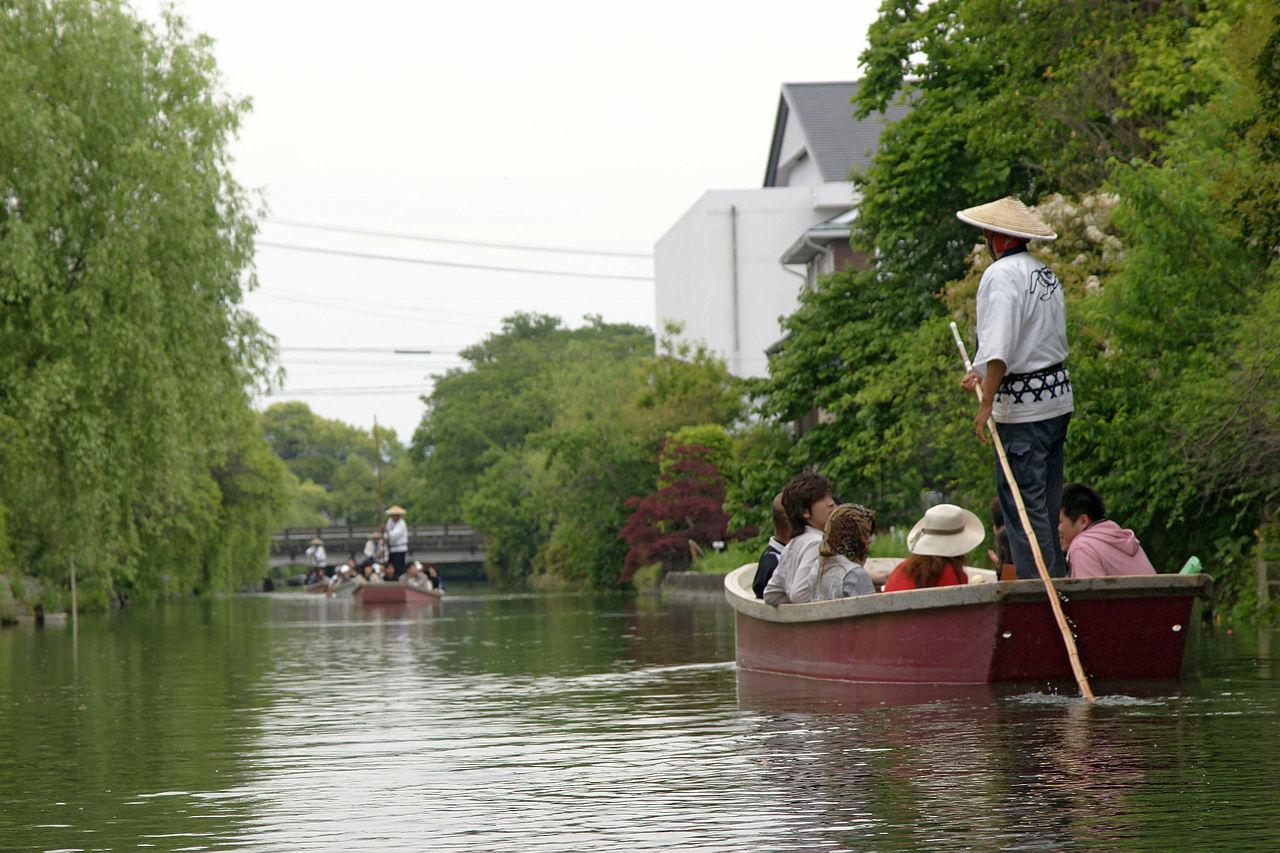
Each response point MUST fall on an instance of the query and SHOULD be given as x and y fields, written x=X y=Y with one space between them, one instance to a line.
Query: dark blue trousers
x=1035 y=452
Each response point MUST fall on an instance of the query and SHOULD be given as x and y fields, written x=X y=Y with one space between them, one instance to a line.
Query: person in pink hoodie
x=1096 y=547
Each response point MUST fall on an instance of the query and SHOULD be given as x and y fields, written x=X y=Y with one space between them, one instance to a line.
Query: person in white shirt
x=808 y=503
x=397 y=542
x=375 y=550
x=1026 y=388
x=843 y=552
x=317 y=554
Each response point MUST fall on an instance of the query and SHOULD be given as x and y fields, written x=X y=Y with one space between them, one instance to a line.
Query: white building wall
x=694 y=271
x=804 y=173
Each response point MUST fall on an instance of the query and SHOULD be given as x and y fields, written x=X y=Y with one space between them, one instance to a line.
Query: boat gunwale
x=738 y=593
x=431 y=595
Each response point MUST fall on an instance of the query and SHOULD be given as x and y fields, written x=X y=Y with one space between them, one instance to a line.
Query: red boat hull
x=1126 y=628
x=394 y=593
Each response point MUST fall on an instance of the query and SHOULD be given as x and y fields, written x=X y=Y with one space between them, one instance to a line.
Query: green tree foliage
x=340 y=472
x=476 y=413
x=1006 y=98
x=1183 y=426
x=1148 y=133
x=540 y=441
x=125 y=354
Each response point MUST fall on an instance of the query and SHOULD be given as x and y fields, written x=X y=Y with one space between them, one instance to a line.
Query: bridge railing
x=339 y=542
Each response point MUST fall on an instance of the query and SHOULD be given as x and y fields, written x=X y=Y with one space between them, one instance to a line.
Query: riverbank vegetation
x=129 y=446
x=1146 y=134
x=540 y=441
x=338 y=473
x=1149 y=135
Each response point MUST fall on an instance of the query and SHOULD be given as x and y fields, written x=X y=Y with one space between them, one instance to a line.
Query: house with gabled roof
x=735 y=263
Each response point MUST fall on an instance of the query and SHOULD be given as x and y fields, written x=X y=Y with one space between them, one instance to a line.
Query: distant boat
x=395 y=593
x=1140 y=627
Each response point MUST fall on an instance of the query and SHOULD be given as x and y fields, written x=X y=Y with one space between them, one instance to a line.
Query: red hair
x=925 y=569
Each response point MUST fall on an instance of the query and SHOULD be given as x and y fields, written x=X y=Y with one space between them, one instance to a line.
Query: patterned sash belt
x=1047 y=383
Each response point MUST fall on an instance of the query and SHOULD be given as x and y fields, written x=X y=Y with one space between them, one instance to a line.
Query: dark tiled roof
x=836 y=141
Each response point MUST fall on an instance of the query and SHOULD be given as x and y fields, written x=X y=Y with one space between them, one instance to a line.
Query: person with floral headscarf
x=840 y=572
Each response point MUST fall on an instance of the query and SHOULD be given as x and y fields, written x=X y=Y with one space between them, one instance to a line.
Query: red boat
x=395 y=593
x=1126 y=628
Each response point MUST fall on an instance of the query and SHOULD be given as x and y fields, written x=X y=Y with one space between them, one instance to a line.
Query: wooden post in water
x=1262 y=577
x=1262 y=567
x=75 y=604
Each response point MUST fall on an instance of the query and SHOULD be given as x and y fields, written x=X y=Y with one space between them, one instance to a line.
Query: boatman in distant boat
x=397 y=543
x=1020 y=367
x=319 y=559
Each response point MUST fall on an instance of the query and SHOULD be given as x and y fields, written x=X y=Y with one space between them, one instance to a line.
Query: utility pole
x=377 y=466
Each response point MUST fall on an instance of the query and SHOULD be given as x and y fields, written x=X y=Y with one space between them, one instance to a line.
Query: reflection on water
x=588 y=722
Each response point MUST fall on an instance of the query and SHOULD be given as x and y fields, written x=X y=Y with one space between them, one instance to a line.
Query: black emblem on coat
x=1045 y=281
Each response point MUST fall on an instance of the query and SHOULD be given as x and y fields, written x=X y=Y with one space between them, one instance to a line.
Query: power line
x=419 y=388
x=458 y=241
x=380 y=363
x=355 y=310
x=293 y=247
x=351 y=366
x=394 y=306
x=381 y=350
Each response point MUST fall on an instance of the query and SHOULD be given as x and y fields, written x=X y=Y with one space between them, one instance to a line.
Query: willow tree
x=127 y=440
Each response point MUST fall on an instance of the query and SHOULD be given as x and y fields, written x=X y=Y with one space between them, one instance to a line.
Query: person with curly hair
x=840 y=572
x=938 y=544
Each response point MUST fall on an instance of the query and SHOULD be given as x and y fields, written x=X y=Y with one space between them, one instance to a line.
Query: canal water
x=584 y=722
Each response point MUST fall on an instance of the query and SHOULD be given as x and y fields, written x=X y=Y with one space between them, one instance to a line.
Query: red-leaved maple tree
x=688 y=506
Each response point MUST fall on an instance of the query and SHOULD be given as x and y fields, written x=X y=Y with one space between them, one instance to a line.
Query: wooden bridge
x=442 y=544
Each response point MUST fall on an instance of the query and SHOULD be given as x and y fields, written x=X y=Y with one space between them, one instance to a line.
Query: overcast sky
x=578 y=124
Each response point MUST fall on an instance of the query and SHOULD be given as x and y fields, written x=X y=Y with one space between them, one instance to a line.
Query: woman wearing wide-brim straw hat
x=1020 y=367
x=938 y=544
x=397 y=538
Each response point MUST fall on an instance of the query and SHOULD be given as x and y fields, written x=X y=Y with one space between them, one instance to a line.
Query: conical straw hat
x=1008 y=216
x=395 y=510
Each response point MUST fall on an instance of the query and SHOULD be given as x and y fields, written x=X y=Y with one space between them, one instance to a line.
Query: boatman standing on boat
x=398 y=541
x=1020 y=366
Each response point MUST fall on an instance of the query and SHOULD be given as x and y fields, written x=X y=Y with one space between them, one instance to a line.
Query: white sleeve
x=997 y=324
x=808 y=562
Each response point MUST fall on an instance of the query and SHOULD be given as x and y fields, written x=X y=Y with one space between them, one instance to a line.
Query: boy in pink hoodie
x=1096 y=547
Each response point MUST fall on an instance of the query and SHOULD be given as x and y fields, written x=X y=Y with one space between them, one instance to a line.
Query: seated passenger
x=938 y=544
x=1096 y=547
x=433 y=577
x=844 y=549
x=1001 y=556
x=807 y=502
x=375 y=550
x=317 y=575
x=343 y=573
x=415 y=576
x=769 y=559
